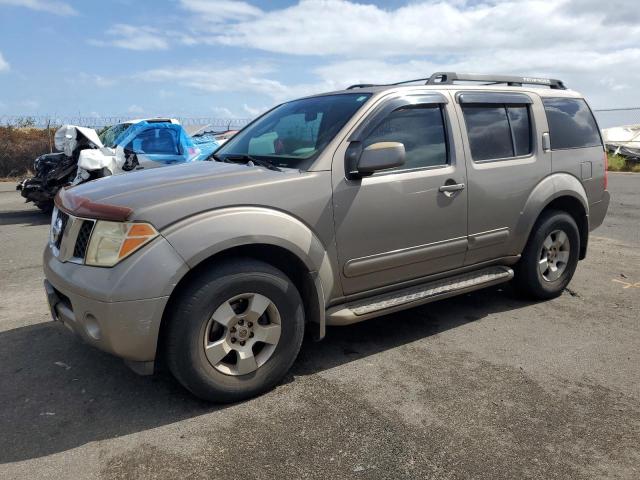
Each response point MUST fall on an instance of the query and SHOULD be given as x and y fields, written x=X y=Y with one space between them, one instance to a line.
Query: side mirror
x=380 y=156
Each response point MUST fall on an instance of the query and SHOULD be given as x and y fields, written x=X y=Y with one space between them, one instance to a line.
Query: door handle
x=450 y=189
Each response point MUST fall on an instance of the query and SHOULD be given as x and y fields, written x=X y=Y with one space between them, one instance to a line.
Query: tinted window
x=488 y=131
x=420 y=129
x=520 y=126
x=571 y=123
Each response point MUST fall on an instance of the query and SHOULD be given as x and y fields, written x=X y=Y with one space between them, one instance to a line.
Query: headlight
x=112 y=241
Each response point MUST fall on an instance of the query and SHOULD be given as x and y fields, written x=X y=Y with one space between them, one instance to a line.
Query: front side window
x=420 y=129
x=156 y=141
x=571 y=123
x=294 y=134
x=110 y=136
x=497 y=131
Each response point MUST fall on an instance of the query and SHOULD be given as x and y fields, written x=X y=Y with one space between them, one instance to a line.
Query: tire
x=530 y=279
x=45 y=207
x=208 y=298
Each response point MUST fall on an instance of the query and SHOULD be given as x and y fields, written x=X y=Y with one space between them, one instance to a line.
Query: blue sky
x=235 y=58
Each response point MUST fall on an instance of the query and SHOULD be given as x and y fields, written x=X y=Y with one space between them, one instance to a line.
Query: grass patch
x=618 y=163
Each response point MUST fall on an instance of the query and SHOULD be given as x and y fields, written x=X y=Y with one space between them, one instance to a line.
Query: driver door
x=398 y=224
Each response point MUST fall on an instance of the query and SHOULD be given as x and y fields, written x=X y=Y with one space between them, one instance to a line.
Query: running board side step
x=358 y=311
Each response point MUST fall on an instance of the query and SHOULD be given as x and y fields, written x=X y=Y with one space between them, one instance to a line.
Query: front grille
x=70 y=237
x=64 y=219
x=82 y=241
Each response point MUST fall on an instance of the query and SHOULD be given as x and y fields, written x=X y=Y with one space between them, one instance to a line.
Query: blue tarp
x=148 y=138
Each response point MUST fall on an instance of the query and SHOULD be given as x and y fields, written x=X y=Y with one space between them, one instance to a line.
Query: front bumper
x=126 y=329
x=119 y=309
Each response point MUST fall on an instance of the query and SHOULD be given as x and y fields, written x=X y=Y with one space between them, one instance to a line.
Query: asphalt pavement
x=481 y=386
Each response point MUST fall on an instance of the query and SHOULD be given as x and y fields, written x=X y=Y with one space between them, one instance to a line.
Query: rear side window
x=571 y=123
x=497 y=131
x=421 y=130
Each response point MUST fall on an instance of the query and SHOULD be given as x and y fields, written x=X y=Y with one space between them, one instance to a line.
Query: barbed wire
x=607 y=117
x=52 y=121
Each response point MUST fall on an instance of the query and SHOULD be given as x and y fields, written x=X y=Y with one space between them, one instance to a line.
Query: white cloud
x=433 y=28
x=135 y=109
x=94 y=79
x=357 y=42
x=220 y=10
x=223 y=112
x=133 y=37
x=4 y=65
x=29 y=104
x=143 y=37
x=50 y=6
x=239 y=78
x=254 y=111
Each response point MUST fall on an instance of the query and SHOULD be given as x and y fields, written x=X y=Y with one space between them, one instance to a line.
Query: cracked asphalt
x=480 y=386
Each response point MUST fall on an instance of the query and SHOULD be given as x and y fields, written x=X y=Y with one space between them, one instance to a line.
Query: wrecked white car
x=133 y=145
x=623 y=141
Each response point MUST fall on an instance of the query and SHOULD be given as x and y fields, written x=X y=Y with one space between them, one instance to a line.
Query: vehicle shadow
x=31 y=217
x=57 y=393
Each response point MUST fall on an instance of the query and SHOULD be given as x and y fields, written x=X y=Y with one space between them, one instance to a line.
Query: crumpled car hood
x=66 y=138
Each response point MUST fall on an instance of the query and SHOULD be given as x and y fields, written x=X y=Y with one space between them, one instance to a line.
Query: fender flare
x=546 y=191
x=202 y=236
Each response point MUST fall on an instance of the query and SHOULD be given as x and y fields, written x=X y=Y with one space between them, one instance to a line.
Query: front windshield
x=293 y=134
x=109 y=136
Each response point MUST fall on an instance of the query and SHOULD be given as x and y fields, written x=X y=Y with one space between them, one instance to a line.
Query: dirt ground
x=480 y=386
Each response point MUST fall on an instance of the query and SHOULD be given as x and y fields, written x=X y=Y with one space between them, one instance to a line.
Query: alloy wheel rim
x=554 y=255
x=242 y=334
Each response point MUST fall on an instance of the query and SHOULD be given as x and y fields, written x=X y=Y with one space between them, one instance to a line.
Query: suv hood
x=166 y=195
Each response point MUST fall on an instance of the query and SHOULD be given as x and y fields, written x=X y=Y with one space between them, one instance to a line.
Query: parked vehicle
x=329 y=210
x=623 y=141
x=55 y=170
x=208 y=133
x=122 y=148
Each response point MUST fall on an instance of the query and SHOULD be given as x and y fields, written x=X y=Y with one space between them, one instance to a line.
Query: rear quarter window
x=571 y=123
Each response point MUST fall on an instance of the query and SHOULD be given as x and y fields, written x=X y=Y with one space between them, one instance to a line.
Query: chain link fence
x=32 y=135
x=53 y=121
x=607 y=117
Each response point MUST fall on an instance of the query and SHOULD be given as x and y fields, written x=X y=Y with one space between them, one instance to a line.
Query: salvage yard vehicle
x=132 y=145
x=329 y=210
x=624 y=141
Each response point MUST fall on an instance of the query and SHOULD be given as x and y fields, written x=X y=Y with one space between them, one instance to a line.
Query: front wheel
x=550 y=258
x=234 y=331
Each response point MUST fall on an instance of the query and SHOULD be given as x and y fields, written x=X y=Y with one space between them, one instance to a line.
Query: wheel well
x=573 y=207
x=278 y=257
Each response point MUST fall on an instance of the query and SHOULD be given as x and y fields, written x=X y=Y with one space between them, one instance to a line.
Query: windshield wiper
x=248 y=158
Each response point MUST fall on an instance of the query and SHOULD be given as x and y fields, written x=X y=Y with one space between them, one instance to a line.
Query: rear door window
x=497 y=131
x=571 y=123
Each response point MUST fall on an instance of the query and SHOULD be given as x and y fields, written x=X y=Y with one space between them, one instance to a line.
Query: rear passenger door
x=502 y=134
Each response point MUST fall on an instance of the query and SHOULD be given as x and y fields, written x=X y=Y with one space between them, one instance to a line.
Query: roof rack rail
x=363 y=85
x=448 y=78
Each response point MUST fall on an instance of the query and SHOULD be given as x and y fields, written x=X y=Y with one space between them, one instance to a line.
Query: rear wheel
x=235 y=331
x=550 y=258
